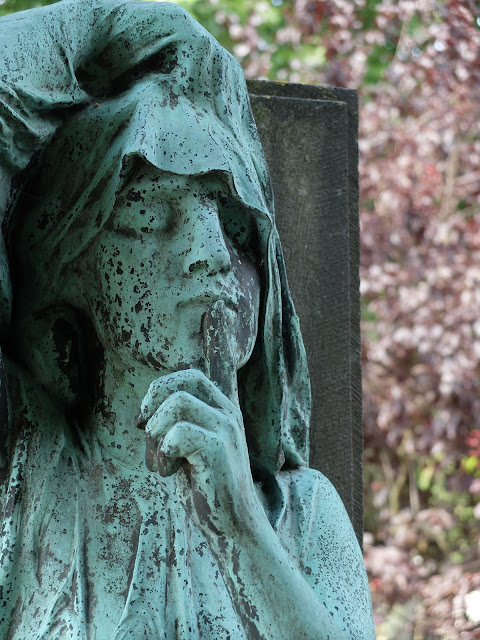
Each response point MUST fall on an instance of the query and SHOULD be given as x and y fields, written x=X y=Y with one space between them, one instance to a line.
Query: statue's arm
x=316 y=528
x=322 y=593
x=195 y=432
x=302 y=602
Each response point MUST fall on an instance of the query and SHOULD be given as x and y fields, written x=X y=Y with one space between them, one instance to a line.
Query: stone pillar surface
x=309 y=134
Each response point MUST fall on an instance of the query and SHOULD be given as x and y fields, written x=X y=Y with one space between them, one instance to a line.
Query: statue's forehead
x=148 y=180
x=147 y=184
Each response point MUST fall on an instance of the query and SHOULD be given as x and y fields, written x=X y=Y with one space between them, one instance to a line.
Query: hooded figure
x=94 y=546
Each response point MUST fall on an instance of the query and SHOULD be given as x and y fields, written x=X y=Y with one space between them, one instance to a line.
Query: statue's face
x=174 y=245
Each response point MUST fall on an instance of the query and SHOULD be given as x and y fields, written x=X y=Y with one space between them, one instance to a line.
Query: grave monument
x=155 y=397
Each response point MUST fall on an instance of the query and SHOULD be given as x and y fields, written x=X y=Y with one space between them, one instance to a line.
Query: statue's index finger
x=220 y=362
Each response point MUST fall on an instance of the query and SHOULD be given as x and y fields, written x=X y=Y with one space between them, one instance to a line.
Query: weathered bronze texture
x=155 y=449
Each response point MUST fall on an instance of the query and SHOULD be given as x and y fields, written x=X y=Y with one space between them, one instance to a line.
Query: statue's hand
x=194 y=429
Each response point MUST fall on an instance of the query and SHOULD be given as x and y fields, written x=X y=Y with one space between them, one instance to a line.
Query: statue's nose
x=208 y=246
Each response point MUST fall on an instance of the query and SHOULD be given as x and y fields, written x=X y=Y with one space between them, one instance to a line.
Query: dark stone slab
x=309 y=135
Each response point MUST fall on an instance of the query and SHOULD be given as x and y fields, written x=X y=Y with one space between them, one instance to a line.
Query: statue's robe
x=93 y=548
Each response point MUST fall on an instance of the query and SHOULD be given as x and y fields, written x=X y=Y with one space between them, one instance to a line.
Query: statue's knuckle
x=180 y=398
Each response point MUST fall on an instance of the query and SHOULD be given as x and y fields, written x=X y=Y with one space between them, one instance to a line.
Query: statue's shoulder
x=316 y=530
x=309 y=486
x=311 y=504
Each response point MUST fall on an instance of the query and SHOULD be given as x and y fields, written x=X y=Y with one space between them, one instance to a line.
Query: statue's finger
x=220 y=360
x=182 y=406
x=181 y=444
x=191 y=381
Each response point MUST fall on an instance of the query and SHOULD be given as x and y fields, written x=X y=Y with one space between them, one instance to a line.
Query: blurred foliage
x=416 y=65
x=11 y=6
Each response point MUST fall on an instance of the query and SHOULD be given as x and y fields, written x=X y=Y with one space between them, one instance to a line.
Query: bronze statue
x=158 y=396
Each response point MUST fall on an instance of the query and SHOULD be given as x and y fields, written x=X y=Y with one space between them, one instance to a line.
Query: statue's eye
x=138 y=219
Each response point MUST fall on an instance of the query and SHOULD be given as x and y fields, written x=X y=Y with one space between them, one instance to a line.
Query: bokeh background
x=416 y=65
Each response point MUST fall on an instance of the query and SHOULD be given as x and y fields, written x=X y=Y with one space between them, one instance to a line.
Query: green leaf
x=11 y=6
x=470 y=464
x=425 y=477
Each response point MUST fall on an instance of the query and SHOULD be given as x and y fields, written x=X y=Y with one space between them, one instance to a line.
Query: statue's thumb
x=220 y=359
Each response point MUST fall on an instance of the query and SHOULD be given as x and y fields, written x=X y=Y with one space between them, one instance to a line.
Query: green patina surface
x=156 y=384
